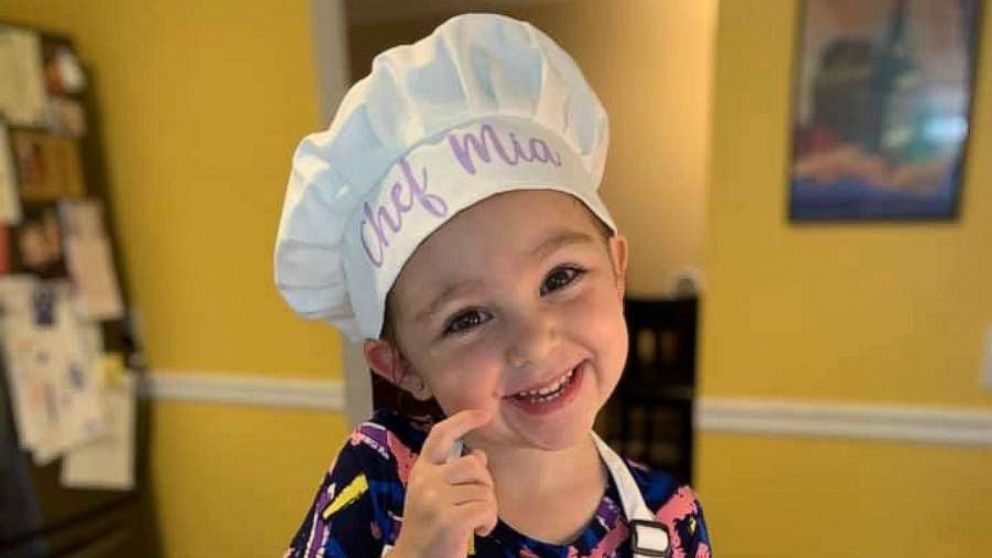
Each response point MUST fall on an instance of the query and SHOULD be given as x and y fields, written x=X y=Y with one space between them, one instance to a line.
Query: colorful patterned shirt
x=358 y=508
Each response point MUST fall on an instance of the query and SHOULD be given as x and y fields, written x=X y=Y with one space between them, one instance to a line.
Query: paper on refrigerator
x=89 y=258
x=107 y=463
x=23 y=98
x=52 y=363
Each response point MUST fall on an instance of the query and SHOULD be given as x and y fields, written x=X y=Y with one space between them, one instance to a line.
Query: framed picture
x=882 y=106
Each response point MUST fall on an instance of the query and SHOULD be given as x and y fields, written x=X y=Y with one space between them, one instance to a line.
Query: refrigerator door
x=40 y=518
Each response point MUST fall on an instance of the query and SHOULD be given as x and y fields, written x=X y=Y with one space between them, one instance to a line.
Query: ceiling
x=371 y=11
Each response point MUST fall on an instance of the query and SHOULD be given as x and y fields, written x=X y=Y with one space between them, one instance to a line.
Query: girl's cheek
x=595 y=302
x=469 y=383
x=454 y=400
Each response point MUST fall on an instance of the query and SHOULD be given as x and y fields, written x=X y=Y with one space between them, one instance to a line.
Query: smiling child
x=449 y=219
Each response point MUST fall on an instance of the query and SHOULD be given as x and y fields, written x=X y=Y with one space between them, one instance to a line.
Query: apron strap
x=648 y=536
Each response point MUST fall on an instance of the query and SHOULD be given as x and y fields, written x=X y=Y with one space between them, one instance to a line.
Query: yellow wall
x=782 y=497
x=855 y=311
x=858 y=313
x=202 y=104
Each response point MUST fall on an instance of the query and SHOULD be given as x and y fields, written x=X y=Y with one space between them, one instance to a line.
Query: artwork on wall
x=882 y=105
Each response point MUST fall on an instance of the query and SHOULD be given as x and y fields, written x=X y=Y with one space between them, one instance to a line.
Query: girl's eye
x=560 y=278
x=466 y=321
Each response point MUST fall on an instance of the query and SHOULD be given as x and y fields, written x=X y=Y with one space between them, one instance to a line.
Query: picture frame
x=882 y=103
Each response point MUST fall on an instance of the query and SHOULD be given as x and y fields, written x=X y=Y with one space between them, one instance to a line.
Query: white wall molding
x=930 y=425
x=771 y=417
x=245 y=389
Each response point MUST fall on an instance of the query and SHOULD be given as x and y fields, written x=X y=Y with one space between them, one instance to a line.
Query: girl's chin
x=558 y=442
x=515 y=434
x=552 y=435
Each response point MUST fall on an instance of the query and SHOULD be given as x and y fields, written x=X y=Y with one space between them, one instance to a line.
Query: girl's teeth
x=548 y=393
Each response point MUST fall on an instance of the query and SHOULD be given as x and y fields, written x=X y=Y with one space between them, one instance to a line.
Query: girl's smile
x=541 y=401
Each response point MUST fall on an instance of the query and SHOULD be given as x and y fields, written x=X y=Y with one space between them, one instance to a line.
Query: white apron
x=648 y=537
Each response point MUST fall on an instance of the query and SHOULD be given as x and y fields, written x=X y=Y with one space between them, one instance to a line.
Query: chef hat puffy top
x=485 y=104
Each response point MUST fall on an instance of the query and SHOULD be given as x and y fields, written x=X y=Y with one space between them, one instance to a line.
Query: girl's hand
x=447 y=501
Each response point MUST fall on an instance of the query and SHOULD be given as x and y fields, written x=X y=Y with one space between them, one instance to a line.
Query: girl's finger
x=480 y=455
x=463 y=494
x=481 y=517
x=467 y=469
x=444 y=434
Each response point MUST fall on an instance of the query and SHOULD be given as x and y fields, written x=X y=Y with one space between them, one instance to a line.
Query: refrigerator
x=40 y=516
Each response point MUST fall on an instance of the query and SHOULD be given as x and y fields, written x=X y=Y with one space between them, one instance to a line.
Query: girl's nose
x=532 y=338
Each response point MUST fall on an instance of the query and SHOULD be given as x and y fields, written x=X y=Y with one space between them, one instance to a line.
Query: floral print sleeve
x=341 y=521
x=358 y=508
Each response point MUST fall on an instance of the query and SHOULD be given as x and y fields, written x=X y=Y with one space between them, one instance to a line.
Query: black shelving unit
x=649 y=417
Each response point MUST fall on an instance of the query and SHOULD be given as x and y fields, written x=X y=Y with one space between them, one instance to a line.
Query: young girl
x=450 y=218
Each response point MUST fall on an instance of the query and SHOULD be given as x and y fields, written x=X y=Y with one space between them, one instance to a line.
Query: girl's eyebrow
x=561 y=238
x=555 y=241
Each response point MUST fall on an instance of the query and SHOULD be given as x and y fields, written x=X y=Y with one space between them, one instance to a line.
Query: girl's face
x=514 y=305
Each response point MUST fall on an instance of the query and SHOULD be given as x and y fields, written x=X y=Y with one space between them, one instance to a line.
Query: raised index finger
x=444 y=434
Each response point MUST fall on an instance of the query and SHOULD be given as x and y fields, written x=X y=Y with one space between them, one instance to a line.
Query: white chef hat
x=485 y=104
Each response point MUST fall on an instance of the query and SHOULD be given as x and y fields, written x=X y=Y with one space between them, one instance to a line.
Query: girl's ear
x=386 y=360
x=618 y=253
